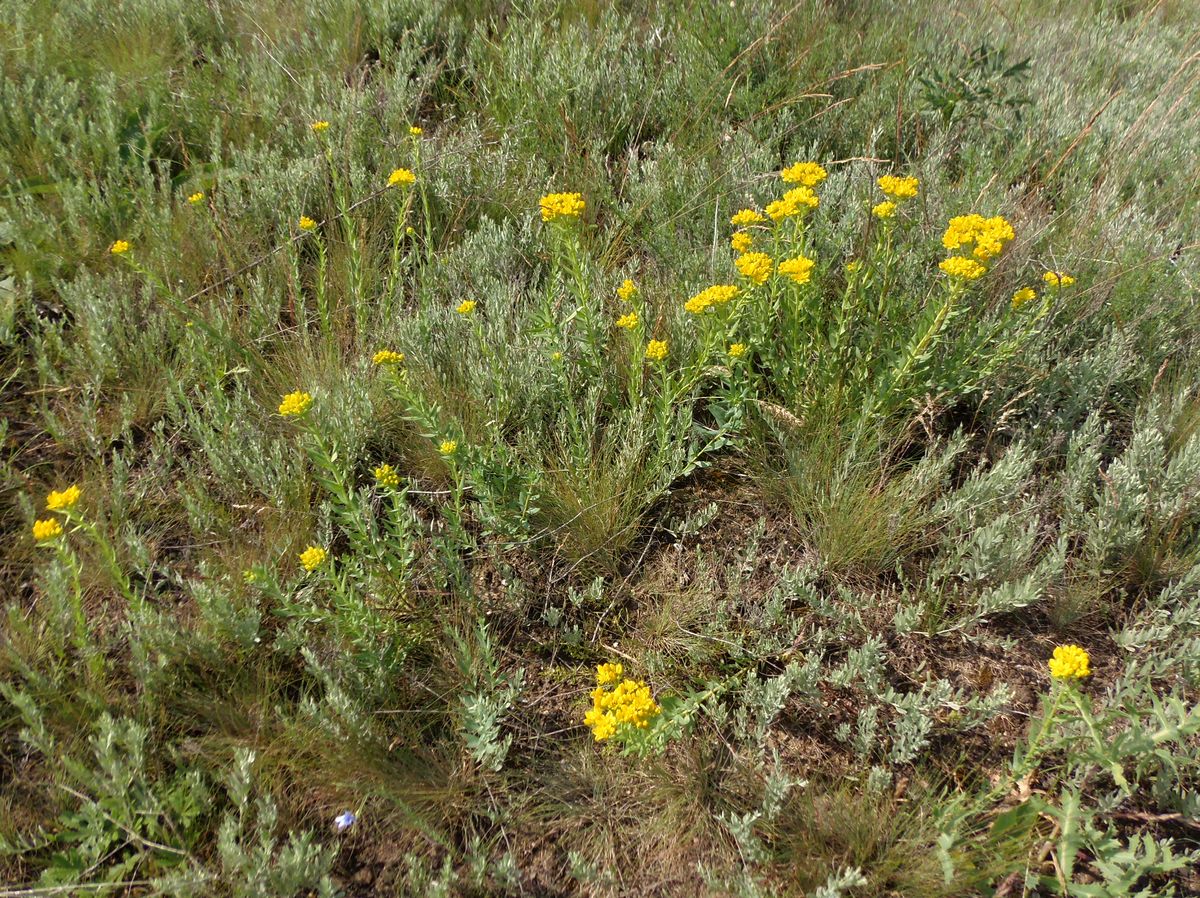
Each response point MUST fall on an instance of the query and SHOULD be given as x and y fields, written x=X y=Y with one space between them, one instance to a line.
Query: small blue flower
x=344 y=821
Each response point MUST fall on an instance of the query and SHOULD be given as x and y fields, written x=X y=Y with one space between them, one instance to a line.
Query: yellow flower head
x=312 y=558
x=448 y=447
x=295 y=404
x=886 y=209
x=988 y=235
x=1022 y=296
x=196 y=198
x=120 y=247
x=737 y=350
x=416 y=130
x=810 y=174
x=402 y=177
x=656 y=350
x=306 y=223
x=1069 y=662
x=562 y=205
x=898 y=188
x=746 y=217
x=628 y=321
x=1058 y=279
x=387 y=357
x=628 y=703
x=741 y=241
x=626 y=290
x=854 y=265
x=799 y=269
x=47 y=529
x=609 y=673
x=466 y=307
x=556 y=356
x=963 y=268
x=795 y=202
x=755 y=266
x=386 y=476
x=716 y=295
x=319 y=127
x=64 y=499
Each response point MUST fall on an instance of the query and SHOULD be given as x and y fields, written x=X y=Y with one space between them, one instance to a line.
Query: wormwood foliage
x=599 y=449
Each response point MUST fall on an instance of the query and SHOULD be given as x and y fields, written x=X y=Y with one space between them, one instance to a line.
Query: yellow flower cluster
x=61 y=500
x=794 y=202
x=755 y=266
x=448 y=447
x=629 y=703
x=746 y=217
x=963 y=268
x=716 y=295
x=47 y=529
x=737 y=350
x=401 y=176
x=296 y=403
x=799 y=269
x=810 y=174
x=898 y=188
x=466 y=307
x=886 y=209
x=1069 y=662
x=319 y=127
x=656 y=350
x=119 y=247
x=987 y=234
x=386 y=476
x=312 y=558
x=562 y=205
x=305 y=223
x=416 y=130
x=387 y=357
x=626 y=290
x=196 y=198
x=1058 y=279
x=1022 y=296
x=741 y=241
x=628 y=321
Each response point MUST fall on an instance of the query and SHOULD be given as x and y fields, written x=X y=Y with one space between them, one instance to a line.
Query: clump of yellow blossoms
x=741 y=241
x=716 y=295
x=854 y=265
x=629 y=703
x=1022 y=296
x=737 y=350
x=386 y=476
x=1058 y=279
x=794 y=202
x=466 y=307
x=656 y=350
x=755 y=266
x=448 y=447
x=987 y=234
x=897 y=188
x=886 y=209
x=387 y=357
x=1069 y=662
x=963 y=268
x=746 y=217
x=629 y=321
x=799 y=269
x=196 y=198
x=47 y=529
x=562 y=205
x=626 y=290
x=401 y=176
x=305 y=223
x=318 y=127
x=61 y=500
x=416 y=130
x=312 y=558
x=810 y=174
x=296 y=403
x=119 y=247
